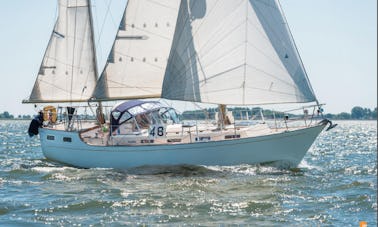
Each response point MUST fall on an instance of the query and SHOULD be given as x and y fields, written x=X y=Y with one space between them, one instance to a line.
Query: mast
x=99 y=111
x=223 y=119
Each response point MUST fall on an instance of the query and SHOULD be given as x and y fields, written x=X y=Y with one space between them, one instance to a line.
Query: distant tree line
x=7 y=115
x=357 y=113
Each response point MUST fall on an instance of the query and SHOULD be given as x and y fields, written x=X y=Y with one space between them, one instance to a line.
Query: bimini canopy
x=129 y=109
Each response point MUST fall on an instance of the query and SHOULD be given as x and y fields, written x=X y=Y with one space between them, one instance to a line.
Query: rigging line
x=203 y=109
x=128 y=86
x=74 y=44
x=103 y=25
x=220 y=26
x=177 y=93
x=183 y=27
x=193 y=34
x=93 y=48
x=273 y=76
x=278 y=36
x=229 y=51
x=61 y=62
x=245 y=49
x=225 y=53
x=213 y=47
x=299 y=56
x=105 y=75
x=294 y=51
x=254 y=88
x=123 y=85
x=224 y=72
x=55 y=86
x=87 y=33
x=82 y=40
x=215 y=44
x=274 y=8
x=44 y=59
x=214 y=76
x=279 y=92
x=215 y=34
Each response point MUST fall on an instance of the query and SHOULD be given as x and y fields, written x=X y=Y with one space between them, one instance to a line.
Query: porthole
x=67 y=139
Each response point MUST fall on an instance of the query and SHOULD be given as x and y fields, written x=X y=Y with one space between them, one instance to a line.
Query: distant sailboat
x=222 y=52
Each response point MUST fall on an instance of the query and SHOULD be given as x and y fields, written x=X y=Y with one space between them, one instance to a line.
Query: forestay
x=68 y=71
x=234 y=52
x=137 y=62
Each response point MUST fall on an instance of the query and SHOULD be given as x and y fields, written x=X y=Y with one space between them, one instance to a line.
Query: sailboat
x=238 y=53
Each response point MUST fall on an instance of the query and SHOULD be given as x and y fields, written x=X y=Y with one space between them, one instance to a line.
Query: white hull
x=287 y=147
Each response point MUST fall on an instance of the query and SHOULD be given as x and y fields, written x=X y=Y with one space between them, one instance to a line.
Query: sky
x=337 y=41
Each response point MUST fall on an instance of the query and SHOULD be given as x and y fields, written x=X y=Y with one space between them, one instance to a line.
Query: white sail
x=68 y=70
x=137 y=62
x=234 y=52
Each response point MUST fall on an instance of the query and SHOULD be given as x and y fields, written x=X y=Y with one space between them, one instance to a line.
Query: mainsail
x=234 y=52
x=136 y=65
x=68 y=71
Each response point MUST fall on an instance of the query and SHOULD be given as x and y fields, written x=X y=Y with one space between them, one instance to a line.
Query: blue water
x=335 y=185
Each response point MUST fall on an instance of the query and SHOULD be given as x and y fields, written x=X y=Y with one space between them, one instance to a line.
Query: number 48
x=157 y=131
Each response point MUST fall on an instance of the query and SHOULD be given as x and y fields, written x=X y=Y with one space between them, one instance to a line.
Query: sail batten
x=68 y=70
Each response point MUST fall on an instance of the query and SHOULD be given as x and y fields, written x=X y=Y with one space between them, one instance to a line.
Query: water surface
x=335 y=185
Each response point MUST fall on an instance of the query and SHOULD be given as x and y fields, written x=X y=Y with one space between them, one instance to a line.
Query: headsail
x=234 y=52
x=68 y=71
x=137 y=62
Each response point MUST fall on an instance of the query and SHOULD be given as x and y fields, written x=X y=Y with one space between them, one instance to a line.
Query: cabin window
x=232 y=137
x=203 y=138
x=116 y=114
x=125 y=116
x=49 y=137
x=136 y=110
x=150 y=106
x=174 y=140
x=67 y=139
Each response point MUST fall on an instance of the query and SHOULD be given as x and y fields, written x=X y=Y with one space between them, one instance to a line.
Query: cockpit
x=139 y=117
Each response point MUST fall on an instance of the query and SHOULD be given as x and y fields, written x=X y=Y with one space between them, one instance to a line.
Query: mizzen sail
x=68 y=71
x=234 y=52
x=136 y=65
